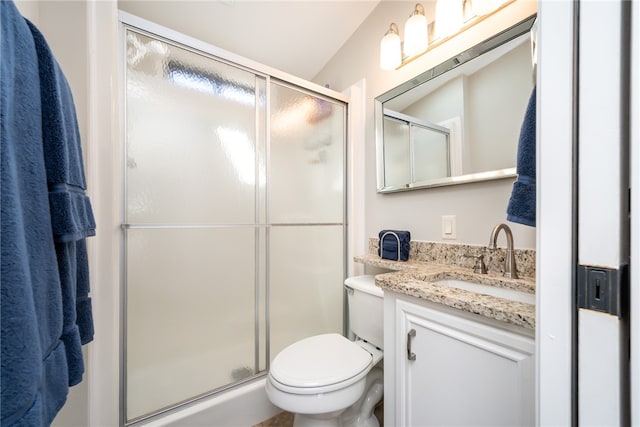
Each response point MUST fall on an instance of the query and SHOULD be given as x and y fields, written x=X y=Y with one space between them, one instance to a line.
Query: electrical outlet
x=449 y=227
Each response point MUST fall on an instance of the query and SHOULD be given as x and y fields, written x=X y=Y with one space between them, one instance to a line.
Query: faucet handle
x=479 y=267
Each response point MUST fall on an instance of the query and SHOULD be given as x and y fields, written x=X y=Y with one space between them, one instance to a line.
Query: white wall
x=29 y=9
x=479 y=206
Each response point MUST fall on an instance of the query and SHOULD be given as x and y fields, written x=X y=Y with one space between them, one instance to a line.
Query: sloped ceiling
x=297 y=37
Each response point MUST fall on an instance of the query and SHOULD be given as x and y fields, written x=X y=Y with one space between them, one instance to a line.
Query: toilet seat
x=319 y=364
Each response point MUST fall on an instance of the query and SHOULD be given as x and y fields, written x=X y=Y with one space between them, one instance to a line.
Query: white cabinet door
x=464 y=372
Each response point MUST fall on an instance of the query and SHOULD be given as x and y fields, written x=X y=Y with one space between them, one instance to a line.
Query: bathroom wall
x=29 y=9
x=478 y=206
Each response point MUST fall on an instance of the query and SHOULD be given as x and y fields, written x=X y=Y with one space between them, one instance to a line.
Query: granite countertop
x=416 y=278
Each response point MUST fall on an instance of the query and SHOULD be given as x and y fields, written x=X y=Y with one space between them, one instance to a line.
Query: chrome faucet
x=510 y=269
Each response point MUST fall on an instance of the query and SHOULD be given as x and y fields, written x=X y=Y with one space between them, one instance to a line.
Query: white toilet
x=328 y=380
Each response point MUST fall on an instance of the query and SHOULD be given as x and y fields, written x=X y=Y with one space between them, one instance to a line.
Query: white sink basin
x=489 y=290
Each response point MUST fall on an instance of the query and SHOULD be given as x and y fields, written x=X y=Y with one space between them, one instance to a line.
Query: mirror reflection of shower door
x=232 y=234
x=430 y=154
x=397 y=154
x=414 y=151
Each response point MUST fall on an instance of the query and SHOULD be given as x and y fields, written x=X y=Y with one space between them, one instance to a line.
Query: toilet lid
x=319 y=361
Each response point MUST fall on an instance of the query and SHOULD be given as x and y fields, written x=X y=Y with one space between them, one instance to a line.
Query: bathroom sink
x=506 y=293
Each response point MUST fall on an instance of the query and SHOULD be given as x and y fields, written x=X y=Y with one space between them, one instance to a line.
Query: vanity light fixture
x=416 y=32
x=449 y=17
x=390 y=49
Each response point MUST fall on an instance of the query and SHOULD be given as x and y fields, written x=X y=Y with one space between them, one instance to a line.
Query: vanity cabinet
x=448 y=367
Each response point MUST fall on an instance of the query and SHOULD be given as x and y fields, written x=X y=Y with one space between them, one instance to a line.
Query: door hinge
x=603 y=289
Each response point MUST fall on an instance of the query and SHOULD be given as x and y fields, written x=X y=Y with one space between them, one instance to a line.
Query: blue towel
x=45 y=216
x=34 y=368
x=71 y=215
x=388 y=244
x=522 y=204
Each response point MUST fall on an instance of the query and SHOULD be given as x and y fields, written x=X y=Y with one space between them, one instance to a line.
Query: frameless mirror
x=460 y=121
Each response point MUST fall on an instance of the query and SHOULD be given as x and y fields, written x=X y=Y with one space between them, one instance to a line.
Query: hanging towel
x=45 y=216
x=522 y=204
x=33 y=361
x=71 y=215
x=394 y=245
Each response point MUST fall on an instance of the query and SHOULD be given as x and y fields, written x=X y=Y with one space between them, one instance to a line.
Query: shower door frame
x=270 y=75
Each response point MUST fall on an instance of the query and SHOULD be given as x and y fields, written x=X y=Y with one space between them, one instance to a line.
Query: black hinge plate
x=603 y=289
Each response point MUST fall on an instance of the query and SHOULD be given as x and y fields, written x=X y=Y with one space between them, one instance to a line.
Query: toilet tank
x=365 y=304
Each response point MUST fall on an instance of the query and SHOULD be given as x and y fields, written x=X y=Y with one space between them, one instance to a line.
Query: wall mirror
x=458 y=122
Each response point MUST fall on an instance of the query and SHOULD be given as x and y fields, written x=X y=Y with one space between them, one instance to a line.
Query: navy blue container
x=394 y=244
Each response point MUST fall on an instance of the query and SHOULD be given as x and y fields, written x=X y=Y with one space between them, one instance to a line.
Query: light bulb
x=390 y=50
x=449 y=17
x=416 y=32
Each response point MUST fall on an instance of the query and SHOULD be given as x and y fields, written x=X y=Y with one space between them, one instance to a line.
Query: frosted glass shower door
x=192 y=176
x=306 y=193
x=234 y=222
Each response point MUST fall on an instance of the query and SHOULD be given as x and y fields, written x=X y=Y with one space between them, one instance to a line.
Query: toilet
x=328 y=380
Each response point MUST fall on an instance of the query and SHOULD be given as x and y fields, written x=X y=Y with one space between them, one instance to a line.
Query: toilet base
x=324 y=420
x=360 y=414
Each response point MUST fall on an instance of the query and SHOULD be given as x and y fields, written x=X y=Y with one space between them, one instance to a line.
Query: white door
x=603 y=213
x=583 y=208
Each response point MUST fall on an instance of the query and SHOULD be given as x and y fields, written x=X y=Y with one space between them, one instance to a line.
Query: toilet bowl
x=329 y=380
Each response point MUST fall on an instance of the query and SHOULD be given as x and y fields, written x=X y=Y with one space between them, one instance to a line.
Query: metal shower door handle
x=410 y=355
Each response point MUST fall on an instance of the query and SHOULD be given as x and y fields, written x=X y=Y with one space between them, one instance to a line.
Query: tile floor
x=285 y=419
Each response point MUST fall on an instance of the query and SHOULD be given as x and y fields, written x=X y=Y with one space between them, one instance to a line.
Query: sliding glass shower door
x=234 y=227
x=306 y=213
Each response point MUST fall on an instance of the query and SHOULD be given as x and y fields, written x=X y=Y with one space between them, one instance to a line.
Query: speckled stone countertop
x=416 y=278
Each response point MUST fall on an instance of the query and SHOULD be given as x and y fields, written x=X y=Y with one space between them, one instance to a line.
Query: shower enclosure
x=233 y=220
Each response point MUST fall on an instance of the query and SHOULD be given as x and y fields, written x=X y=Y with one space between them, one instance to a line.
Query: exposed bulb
x=449 y=17
x=390 y=49
x=416 y=32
